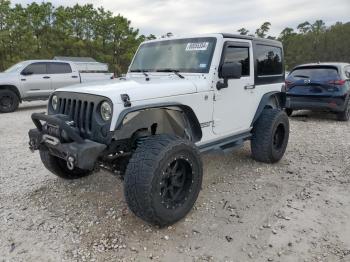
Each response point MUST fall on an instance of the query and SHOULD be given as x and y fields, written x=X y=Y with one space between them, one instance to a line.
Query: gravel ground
x=296 y=210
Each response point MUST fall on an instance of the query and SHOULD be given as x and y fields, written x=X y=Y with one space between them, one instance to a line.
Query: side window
x=269 y=60
x=35 y=69
x=59 y=68
x=240 y=55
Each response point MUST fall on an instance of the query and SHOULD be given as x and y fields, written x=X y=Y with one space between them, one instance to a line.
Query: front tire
x=270 y=136
x=9 y=101
x=58 y=167
x=163 y=179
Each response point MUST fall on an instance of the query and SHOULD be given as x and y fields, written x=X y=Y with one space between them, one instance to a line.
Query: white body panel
x=38 y=85
x=91 y=66
x=94 y=77
x=228 y=111
x=62 y=80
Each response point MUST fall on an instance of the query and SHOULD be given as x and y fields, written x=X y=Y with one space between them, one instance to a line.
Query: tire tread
x=137 y=185
x=261 y=140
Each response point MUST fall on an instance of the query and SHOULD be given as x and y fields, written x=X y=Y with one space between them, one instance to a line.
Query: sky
x=209 y=16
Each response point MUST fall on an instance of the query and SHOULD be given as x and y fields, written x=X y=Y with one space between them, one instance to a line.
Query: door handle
x=23 y=79
x=46 y=77
x=249 y=86
x=74 y=76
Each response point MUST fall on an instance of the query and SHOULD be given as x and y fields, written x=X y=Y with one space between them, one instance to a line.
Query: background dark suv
x=321 y=86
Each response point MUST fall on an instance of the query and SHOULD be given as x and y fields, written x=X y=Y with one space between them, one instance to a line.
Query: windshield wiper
x=144 y=72
x=176 y=72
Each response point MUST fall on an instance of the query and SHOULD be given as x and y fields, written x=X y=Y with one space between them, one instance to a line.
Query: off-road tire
x=58 y=167
x=9 y=101
x=289 y=111
x=146 y=171
x=345 y=115
x=270 y=136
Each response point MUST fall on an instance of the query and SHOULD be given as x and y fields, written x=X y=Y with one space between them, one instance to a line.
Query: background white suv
x=36 y=79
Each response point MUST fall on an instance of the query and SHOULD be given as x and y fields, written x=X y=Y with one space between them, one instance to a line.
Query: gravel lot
x=296 y=210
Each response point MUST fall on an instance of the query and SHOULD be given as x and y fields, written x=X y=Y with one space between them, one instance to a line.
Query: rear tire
x=163 y=179
x=58 y=167
x=9 y=101
x=345 y=115
x=289 y=111
x=270 y=136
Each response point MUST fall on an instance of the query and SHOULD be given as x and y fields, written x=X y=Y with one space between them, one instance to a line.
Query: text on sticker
x=197 y=46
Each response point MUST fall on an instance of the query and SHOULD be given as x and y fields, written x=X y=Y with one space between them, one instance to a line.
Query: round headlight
x=106 y=111
x=54 y=102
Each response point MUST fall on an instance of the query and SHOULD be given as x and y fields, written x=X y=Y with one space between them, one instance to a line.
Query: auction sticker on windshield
x=197 y=46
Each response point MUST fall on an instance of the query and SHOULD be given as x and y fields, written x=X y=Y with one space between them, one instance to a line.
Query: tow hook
x=70 y=162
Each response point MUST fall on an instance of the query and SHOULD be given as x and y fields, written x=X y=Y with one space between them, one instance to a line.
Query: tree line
x=310 y=42
x=42 y=31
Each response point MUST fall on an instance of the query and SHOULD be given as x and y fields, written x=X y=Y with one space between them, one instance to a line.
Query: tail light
x=337 y=82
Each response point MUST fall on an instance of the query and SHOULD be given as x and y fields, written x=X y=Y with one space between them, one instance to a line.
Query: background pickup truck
x=37 y=79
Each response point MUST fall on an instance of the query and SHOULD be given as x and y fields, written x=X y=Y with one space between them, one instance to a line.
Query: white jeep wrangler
x=181 y=97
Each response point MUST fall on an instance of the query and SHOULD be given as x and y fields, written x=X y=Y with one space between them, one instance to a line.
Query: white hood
x=8 y=78
x=136 y=88
x=4 y=75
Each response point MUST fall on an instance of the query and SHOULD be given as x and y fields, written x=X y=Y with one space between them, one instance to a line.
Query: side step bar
x=225 y=145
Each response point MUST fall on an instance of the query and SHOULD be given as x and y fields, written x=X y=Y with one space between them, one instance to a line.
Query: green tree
x=243 y=31
x=318 y=27
x=43 y=31
x=263 y=29
x=316 y=43
x=304 y=27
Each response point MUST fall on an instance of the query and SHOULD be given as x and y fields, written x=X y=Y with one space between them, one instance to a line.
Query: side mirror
x=231 y=70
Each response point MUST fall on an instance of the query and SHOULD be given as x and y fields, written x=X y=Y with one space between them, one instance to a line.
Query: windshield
x=191 y=55
x=314 y=73
x=15 y=67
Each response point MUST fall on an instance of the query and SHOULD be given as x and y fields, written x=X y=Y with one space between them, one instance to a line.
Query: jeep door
x=35 y=82
x=62 y=75
x=234 y=106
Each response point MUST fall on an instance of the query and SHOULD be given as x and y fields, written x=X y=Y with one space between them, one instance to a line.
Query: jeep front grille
x=83 y=110
x=79 y=111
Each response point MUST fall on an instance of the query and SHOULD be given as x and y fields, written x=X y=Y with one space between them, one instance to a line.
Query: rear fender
x=273 y=99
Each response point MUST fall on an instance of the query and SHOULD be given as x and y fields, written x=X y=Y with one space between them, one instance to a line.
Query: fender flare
x=281 y=96
x=12 y=88
x=189 y=113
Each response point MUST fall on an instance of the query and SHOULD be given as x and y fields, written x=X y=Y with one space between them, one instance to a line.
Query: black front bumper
x=335 y=104
x=83 y=152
